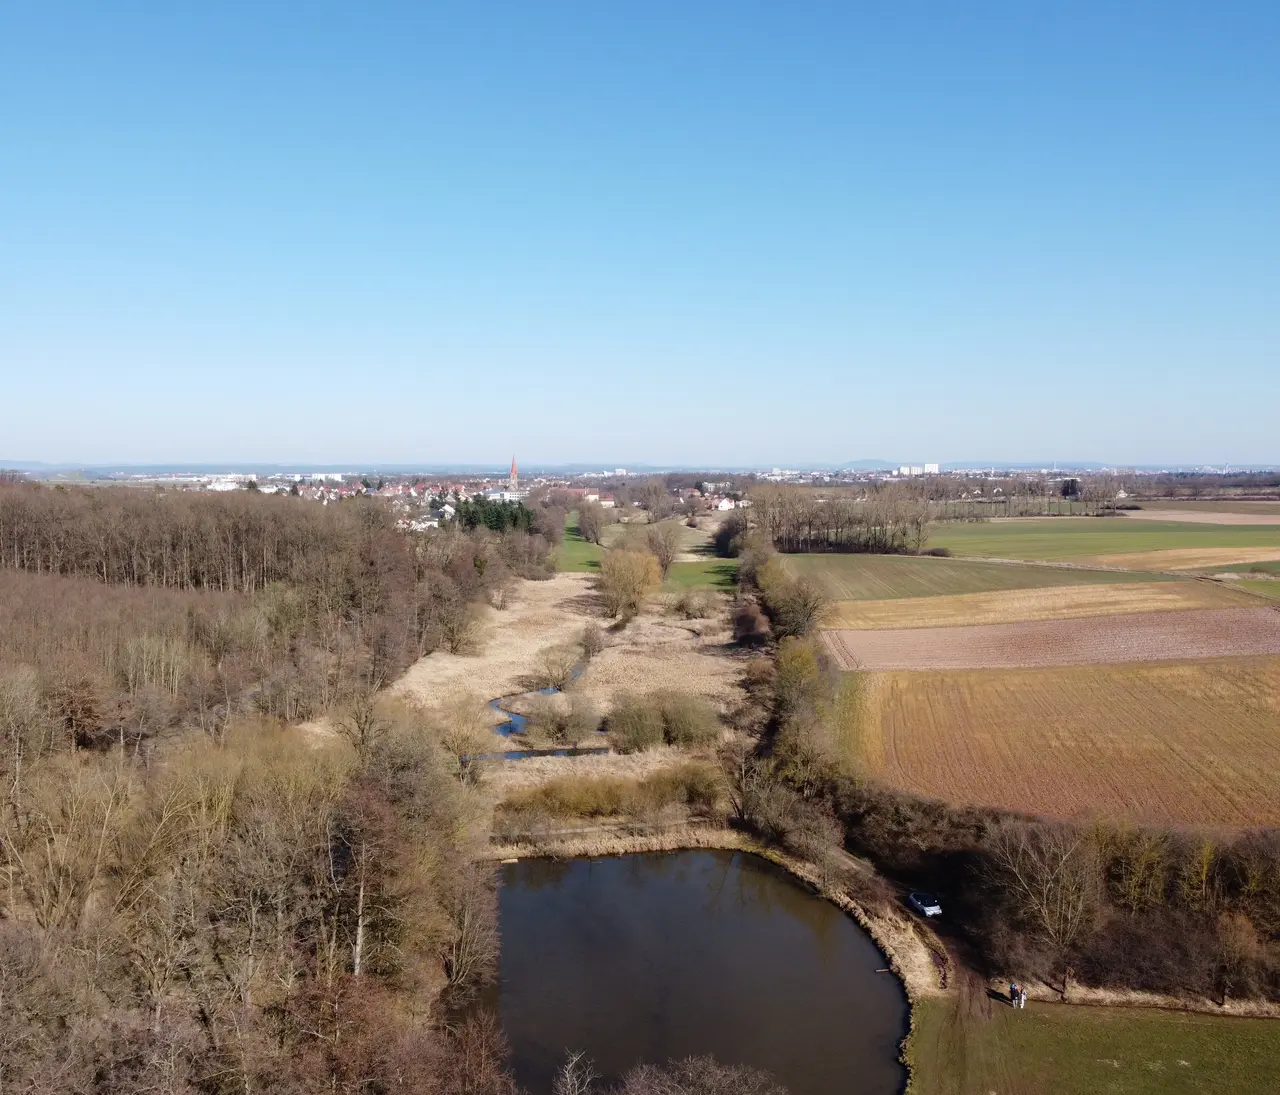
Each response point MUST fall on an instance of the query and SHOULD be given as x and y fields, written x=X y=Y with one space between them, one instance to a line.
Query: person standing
x=1013 y=993
x=1022 y=998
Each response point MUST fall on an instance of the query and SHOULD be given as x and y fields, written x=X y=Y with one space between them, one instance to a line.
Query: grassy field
x=881 y=577
x=581 y=556
x=1262 y=587
x=703 y=574
x=1253 y=568
x=1018 y=605
x=1111 y=540
x=977 y=1049
x=1162 y=742
x=576 y=554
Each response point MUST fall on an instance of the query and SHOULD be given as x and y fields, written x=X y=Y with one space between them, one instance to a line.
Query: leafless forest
x=192 y=898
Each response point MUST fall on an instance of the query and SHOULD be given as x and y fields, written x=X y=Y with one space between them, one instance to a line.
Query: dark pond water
x=652 y=957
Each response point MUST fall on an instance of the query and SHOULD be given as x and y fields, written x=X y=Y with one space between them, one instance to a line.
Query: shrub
x=635 y=724
x=555 y=667
x=627 y=580
x=687 y=720
x=698 y=786
x=562 y=720
x=795 y=605
x=728 y=538
x=592 y=641
x=750 y=625
x=695 y=785
x=694 y=604
x=641 y=722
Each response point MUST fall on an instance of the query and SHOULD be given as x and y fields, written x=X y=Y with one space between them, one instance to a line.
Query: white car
x=924 y=903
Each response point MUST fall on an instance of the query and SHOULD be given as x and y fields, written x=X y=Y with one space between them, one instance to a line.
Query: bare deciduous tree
x=1051 y=876
x=663 y=542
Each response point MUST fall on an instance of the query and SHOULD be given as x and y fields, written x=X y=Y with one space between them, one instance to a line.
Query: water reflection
x=649 y=957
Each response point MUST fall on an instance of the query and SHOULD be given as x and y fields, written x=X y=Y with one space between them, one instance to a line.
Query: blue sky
x=665 y=232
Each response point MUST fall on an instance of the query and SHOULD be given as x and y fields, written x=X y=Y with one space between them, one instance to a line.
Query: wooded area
x=194 y=898
x=800 y=519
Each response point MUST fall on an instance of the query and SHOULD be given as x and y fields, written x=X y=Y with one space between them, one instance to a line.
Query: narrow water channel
x=652 y=957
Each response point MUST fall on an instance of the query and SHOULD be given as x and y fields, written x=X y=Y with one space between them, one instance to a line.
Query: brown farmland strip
x=1194 y=743
x=1185 y=558
x=1135 y=637
x=1015 y=605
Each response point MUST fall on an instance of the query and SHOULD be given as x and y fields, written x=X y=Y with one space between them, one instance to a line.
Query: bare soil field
x=1243 y=514
x=1012 y=606
x=1196 y=505
x=1133 y=637
x=1187 y=558
x=1194 y=743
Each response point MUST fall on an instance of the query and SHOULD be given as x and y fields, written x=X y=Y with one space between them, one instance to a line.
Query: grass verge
x=960 y=1047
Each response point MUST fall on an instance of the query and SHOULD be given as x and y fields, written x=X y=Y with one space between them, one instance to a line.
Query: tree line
x=801 y=519
x=1100 y=904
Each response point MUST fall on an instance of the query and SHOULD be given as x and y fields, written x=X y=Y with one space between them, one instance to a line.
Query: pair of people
x=1017 y=995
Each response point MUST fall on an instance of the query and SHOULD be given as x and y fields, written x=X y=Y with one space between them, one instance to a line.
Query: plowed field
x=1135 y=637
x=1012 y=606
x=1185 y=743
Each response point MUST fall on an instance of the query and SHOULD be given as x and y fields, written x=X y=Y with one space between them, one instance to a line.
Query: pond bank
x=653 y=956
x=908 y=955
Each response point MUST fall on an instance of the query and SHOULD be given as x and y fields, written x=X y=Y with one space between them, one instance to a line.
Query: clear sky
x=679 y=232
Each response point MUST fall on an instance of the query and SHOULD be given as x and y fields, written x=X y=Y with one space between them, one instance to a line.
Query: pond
x=652 y=957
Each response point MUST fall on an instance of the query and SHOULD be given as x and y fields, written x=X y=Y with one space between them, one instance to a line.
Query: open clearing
x=880 y=577
x=541 y=614
x=1188 y=743
x=653 y=651
x=1129 y=637
x=696 y=566
x=1011 y=606
x=1111 y=541
x=977 y=1048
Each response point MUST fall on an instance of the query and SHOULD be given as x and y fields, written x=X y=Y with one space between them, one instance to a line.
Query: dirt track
x=1135 y=637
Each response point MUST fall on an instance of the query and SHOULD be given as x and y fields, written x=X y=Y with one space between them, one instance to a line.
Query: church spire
x=514 y=482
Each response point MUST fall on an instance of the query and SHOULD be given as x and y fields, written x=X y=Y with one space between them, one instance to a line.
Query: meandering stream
x=514 y=725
